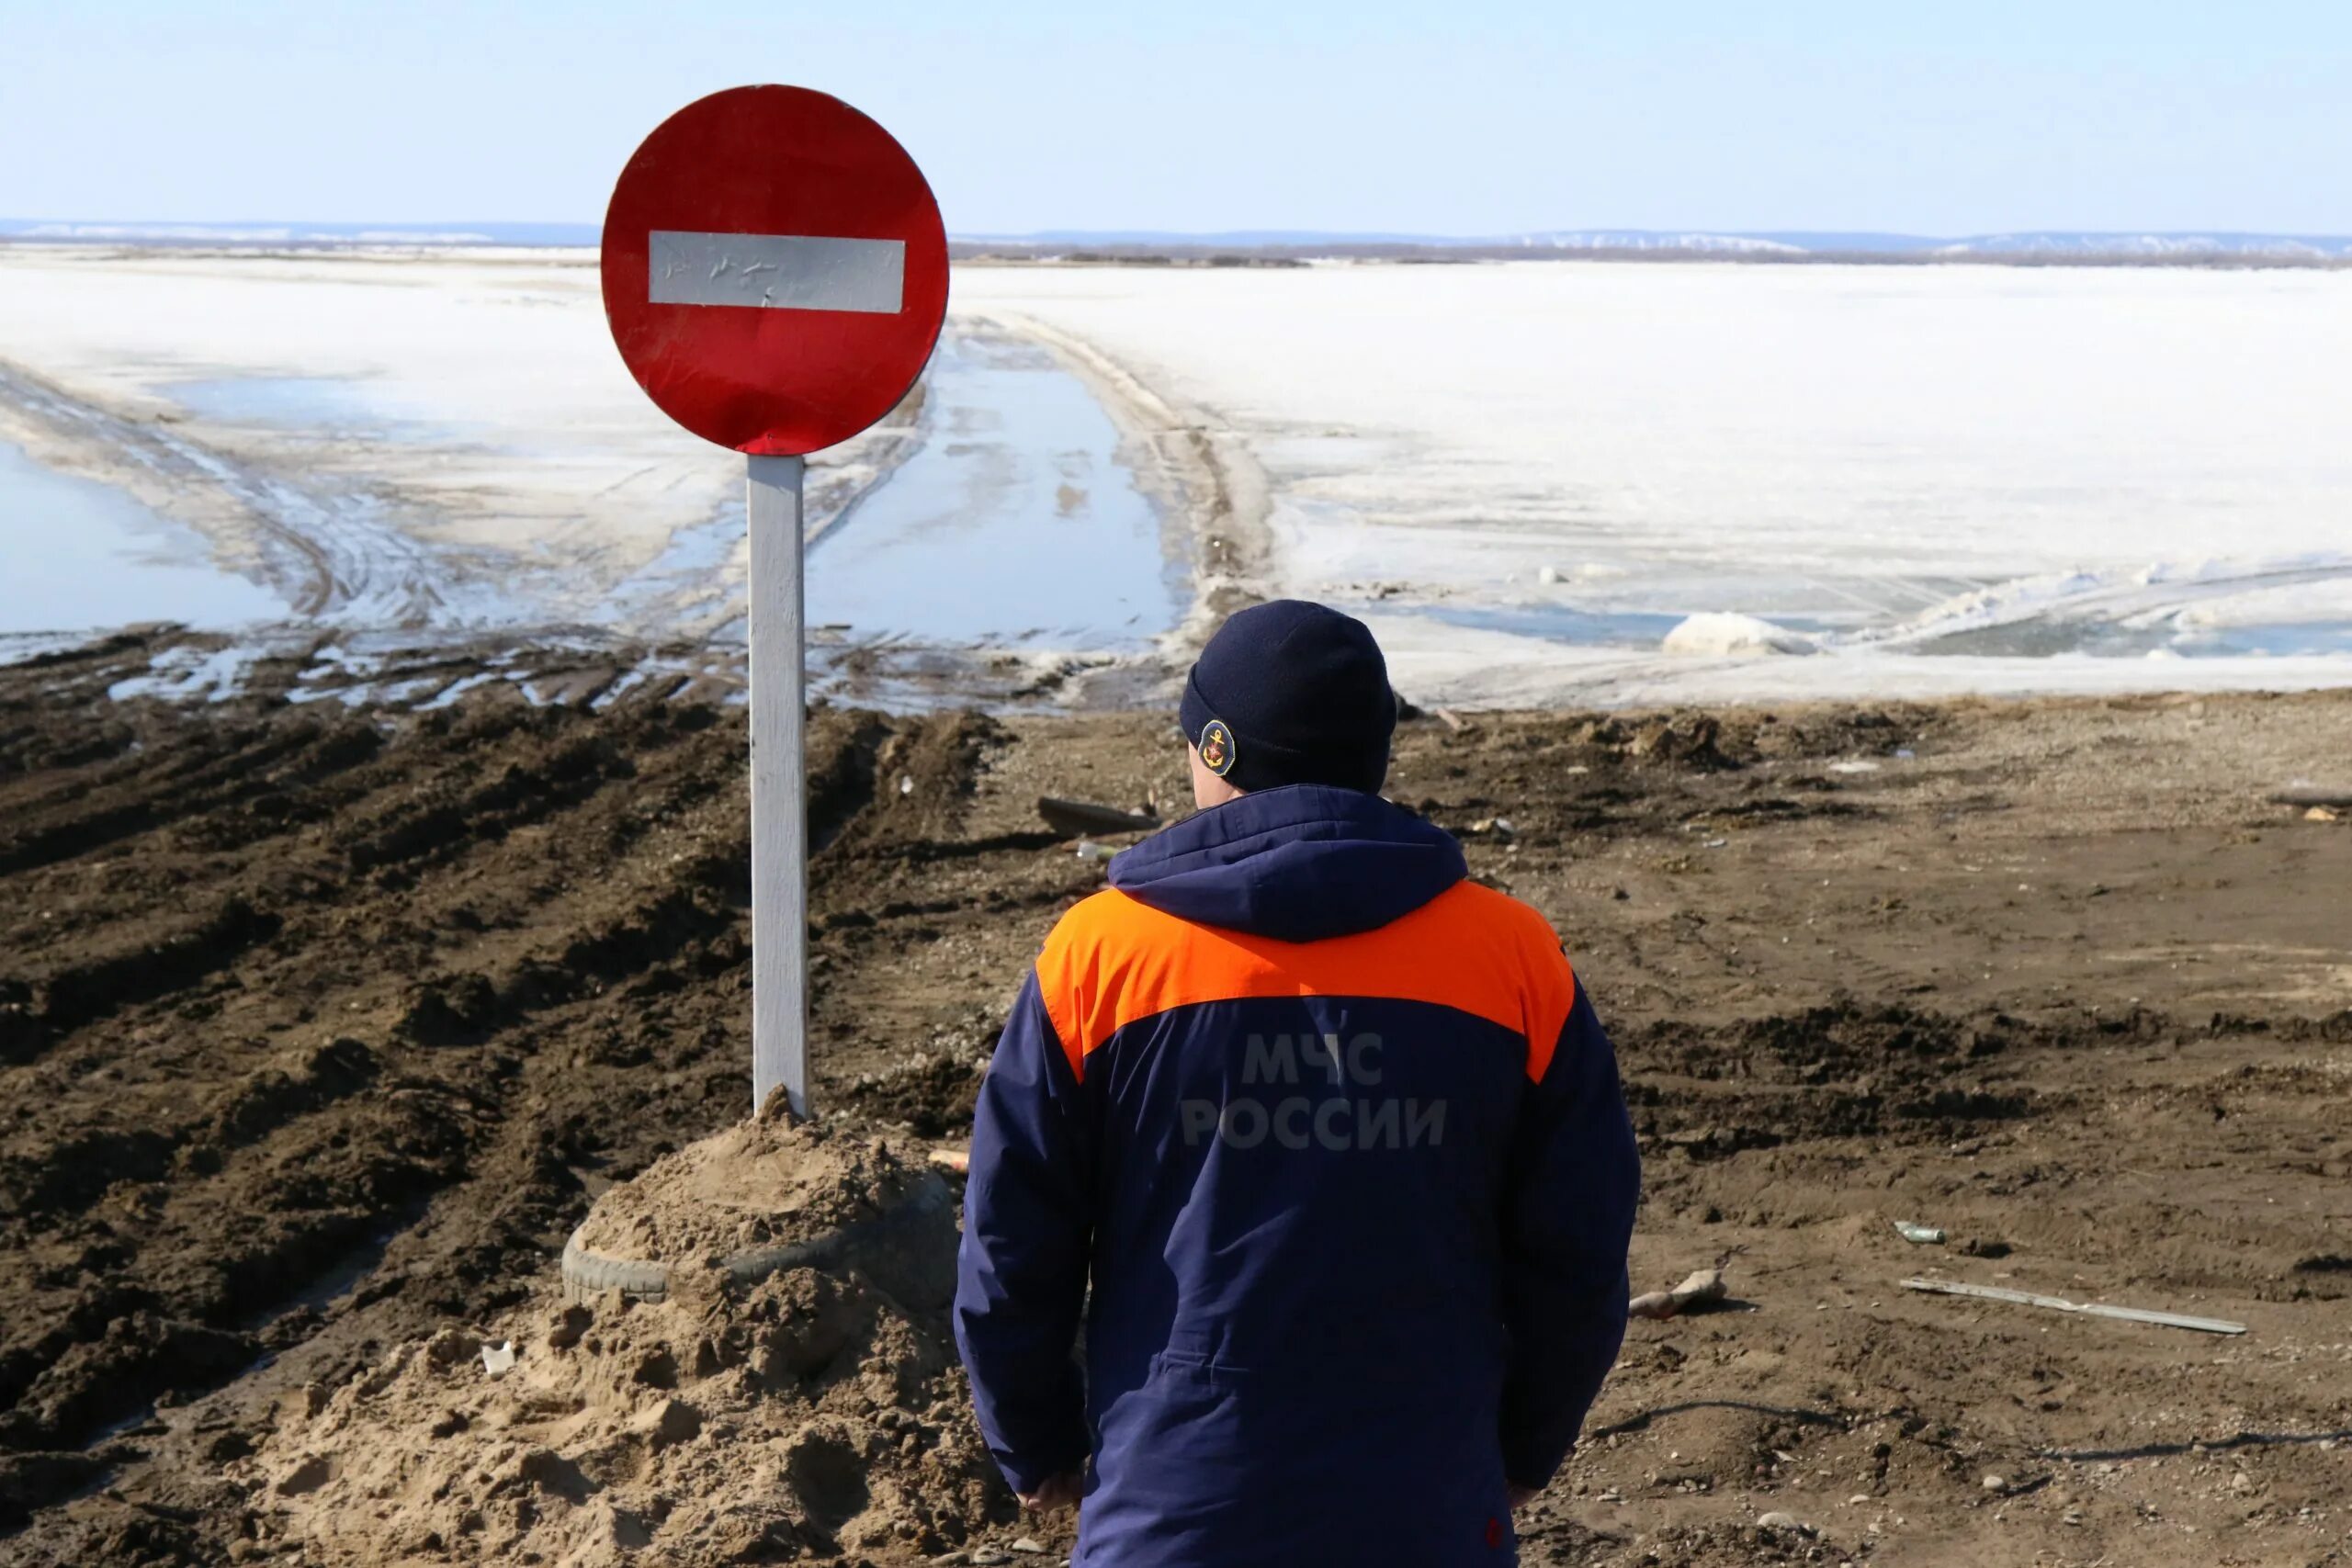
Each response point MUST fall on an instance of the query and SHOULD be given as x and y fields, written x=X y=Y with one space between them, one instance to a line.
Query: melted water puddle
x=83 y=555
x=1014 y=522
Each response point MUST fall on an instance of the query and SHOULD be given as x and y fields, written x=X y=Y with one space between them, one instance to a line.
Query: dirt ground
x=321 y=1027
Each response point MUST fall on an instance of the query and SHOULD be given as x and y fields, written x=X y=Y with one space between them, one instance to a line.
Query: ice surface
x=450 y=443
x=1434 y=660
x=392 y=440
x=189 y=673
x=1947 y=477
x=1887 y=457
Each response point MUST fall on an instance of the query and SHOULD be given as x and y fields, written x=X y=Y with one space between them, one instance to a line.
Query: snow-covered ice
x=1527 y=466
x=1726 y=633
x=1544 y=481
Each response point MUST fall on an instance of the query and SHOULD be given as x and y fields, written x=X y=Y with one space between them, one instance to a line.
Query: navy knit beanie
x=1292 y=692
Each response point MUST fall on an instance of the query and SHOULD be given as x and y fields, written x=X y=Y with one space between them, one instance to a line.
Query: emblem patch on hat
x=1217 y=749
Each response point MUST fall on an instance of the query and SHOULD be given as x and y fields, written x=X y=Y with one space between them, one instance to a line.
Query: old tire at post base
x=588 y=1274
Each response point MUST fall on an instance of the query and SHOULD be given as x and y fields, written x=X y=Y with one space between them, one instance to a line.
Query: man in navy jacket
x=1332 y=1134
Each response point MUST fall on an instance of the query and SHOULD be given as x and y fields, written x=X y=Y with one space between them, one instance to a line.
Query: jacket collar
x=1298 y=863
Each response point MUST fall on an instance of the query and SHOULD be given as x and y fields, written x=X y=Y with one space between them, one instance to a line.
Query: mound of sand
x=811 y=1413
x=764 y=1183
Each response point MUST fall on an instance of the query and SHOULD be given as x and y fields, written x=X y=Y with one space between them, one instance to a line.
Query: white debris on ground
x=1719 y=634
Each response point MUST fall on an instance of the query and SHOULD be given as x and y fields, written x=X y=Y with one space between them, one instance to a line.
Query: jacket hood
x=1298 y=863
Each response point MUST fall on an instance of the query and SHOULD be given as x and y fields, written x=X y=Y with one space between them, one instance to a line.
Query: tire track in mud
x=509 y=967
x=314 y=1027
x=158 y=1231
x=150 y=965
x=296 y=758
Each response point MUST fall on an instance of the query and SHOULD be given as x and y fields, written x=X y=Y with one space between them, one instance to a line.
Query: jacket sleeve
x=1021 y=1275
x=1575 y=1176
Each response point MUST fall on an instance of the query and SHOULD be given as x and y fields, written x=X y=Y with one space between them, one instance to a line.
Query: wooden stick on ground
x=2059 y=1304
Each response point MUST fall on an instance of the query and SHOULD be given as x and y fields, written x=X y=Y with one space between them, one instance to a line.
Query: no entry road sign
x=774 y=269
x=776 y=274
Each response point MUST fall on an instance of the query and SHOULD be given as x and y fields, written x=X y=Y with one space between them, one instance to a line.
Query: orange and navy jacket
x=1333 y=1137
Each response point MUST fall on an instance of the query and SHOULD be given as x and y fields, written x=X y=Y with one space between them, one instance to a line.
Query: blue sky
x=1201 y=115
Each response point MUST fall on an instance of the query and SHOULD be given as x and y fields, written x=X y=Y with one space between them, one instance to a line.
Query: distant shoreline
x=973 y=252
x=2212 y=250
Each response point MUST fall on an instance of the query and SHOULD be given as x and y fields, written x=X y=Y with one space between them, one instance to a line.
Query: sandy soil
x=803 y=1412
x=319 y=1029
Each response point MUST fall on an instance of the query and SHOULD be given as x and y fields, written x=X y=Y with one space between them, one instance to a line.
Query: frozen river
x=1543 y=481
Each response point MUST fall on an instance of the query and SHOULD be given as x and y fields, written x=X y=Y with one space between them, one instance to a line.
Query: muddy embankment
x=321 y=1027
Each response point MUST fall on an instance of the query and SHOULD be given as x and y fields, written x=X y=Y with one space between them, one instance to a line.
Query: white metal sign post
x=779 y=782
x=776 y=275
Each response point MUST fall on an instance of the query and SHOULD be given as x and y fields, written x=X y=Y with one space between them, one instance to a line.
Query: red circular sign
x=774 y=269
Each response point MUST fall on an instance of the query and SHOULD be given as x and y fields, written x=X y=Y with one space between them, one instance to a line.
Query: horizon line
x=63 y=227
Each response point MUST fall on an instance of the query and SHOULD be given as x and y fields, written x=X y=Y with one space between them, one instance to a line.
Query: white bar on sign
x=777 y=272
